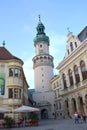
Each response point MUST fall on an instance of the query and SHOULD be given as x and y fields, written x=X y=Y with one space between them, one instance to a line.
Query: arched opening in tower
x=44 y=114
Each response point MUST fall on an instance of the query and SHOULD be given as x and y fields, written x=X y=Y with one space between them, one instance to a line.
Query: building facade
x=55 y=83
x=73 y=76
x=43 y=73
x=13 y=84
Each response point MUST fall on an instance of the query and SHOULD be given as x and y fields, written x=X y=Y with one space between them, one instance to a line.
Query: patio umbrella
x=4 y=110
x=25 y=109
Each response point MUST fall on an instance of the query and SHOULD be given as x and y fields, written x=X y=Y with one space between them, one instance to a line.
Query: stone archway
x=80 y=105
x=44 y=114
x=73 y=106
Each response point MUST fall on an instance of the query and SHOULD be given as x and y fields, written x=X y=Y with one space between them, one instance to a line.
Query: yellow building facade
x=13 y=84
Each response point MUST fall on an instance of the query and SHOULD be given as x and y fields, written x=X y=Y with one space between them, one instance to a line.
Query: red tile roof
x=6 y=55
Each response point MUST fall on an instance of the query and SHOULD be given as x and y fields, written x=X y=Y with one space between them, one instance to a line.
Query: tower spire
x=3 y=43
x=41 y=36
x=39 y=18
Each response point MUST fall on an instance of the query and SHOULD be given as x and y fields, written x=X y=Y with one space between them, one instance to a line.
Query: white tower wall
x=41 y=48
x=43 y=75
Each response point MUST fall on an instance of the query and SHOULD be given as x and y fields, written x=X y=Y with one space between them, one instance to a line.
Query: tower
x=43 y=72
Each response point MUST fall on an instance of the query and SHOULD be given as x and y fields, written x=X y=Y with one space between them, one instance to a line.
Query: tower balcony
x=43 y=59
x=43 y=64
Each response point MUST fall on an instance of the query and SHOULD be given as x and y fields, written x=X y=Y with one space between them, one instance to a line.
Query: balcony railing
x=11 y=102
x=14 y=80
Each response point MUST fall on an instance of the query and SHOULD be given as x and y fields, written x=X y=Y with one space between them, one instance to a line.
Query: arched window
x=76 y=72
x=71 y=46
x=64 y=81
x=59 y=105
x=75 y=44
x=56 y=106
x=70 y=77
x=83 y=70
x=68 y=51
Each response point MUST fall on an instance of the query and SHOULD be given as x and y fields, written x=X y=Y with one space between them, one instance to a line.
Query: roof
x=82 y=31
x=83 y=34
x=40 y=36
x=6 y=55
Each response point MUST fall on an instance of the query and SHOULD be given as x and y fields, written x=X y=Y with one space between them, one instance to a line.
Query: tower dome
x=40 y=36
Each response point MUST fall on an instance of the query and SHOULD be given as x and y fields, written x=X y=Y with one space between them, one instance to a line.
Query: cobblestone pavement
x=63 y=124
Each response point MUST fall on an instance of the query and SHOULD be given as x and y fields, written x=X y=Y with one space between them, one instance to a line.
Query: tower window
x=42 y=75
x=75 y=44
x=41 y=60
x=71 y=46
x=40 y=46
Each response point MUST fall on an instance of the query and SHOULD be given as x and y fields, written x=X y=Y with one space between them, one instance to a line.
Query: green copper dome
x=41 y=36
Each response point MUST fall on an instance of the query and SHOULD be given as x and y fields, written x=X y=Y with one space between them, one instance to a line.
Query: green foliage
x=9 y=121
x=34 y=117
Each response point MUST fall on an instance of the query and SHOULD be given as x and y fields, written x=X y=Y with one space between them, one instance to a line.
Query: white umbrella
x=25 y=109
x=4 y=110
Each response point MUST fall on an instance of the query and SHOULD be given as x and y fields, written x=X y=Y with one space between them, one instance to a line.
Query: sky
x=19 y=19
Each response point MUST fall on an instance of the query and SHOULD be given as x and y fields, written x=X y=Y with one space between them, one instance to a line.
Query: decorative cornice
x=42 y=55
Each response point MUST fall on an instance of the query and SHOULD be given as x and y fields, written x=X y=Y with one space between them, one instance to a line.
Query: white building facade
x=73 y=76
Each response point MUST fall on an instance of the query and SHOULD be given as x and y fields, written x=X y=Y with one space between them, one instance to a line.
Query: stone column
x=67 y=80
x=77 y=105
x=80 y=73
x=74 y=80
x=65 y=109
x=84 y=105
x=70 y=108
x=62 y=85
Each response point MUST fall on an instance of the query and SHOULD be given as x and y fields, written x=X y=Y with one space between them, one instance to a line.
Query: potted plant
x=34 y=118
x=9 y=121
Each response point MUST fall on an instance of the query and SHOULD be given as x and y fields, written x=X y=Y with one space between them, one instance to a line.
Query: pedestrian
x=80 y=119
x=84 y=118
x=76 y=117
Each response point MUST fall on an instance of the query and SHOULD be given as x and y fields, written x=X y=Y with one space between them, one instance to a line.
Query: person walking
x=76 y=117
x=84 y=118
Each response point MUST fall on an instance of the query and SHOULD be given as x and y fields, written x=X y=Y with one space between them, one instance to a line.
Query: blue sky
x=18 y=21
